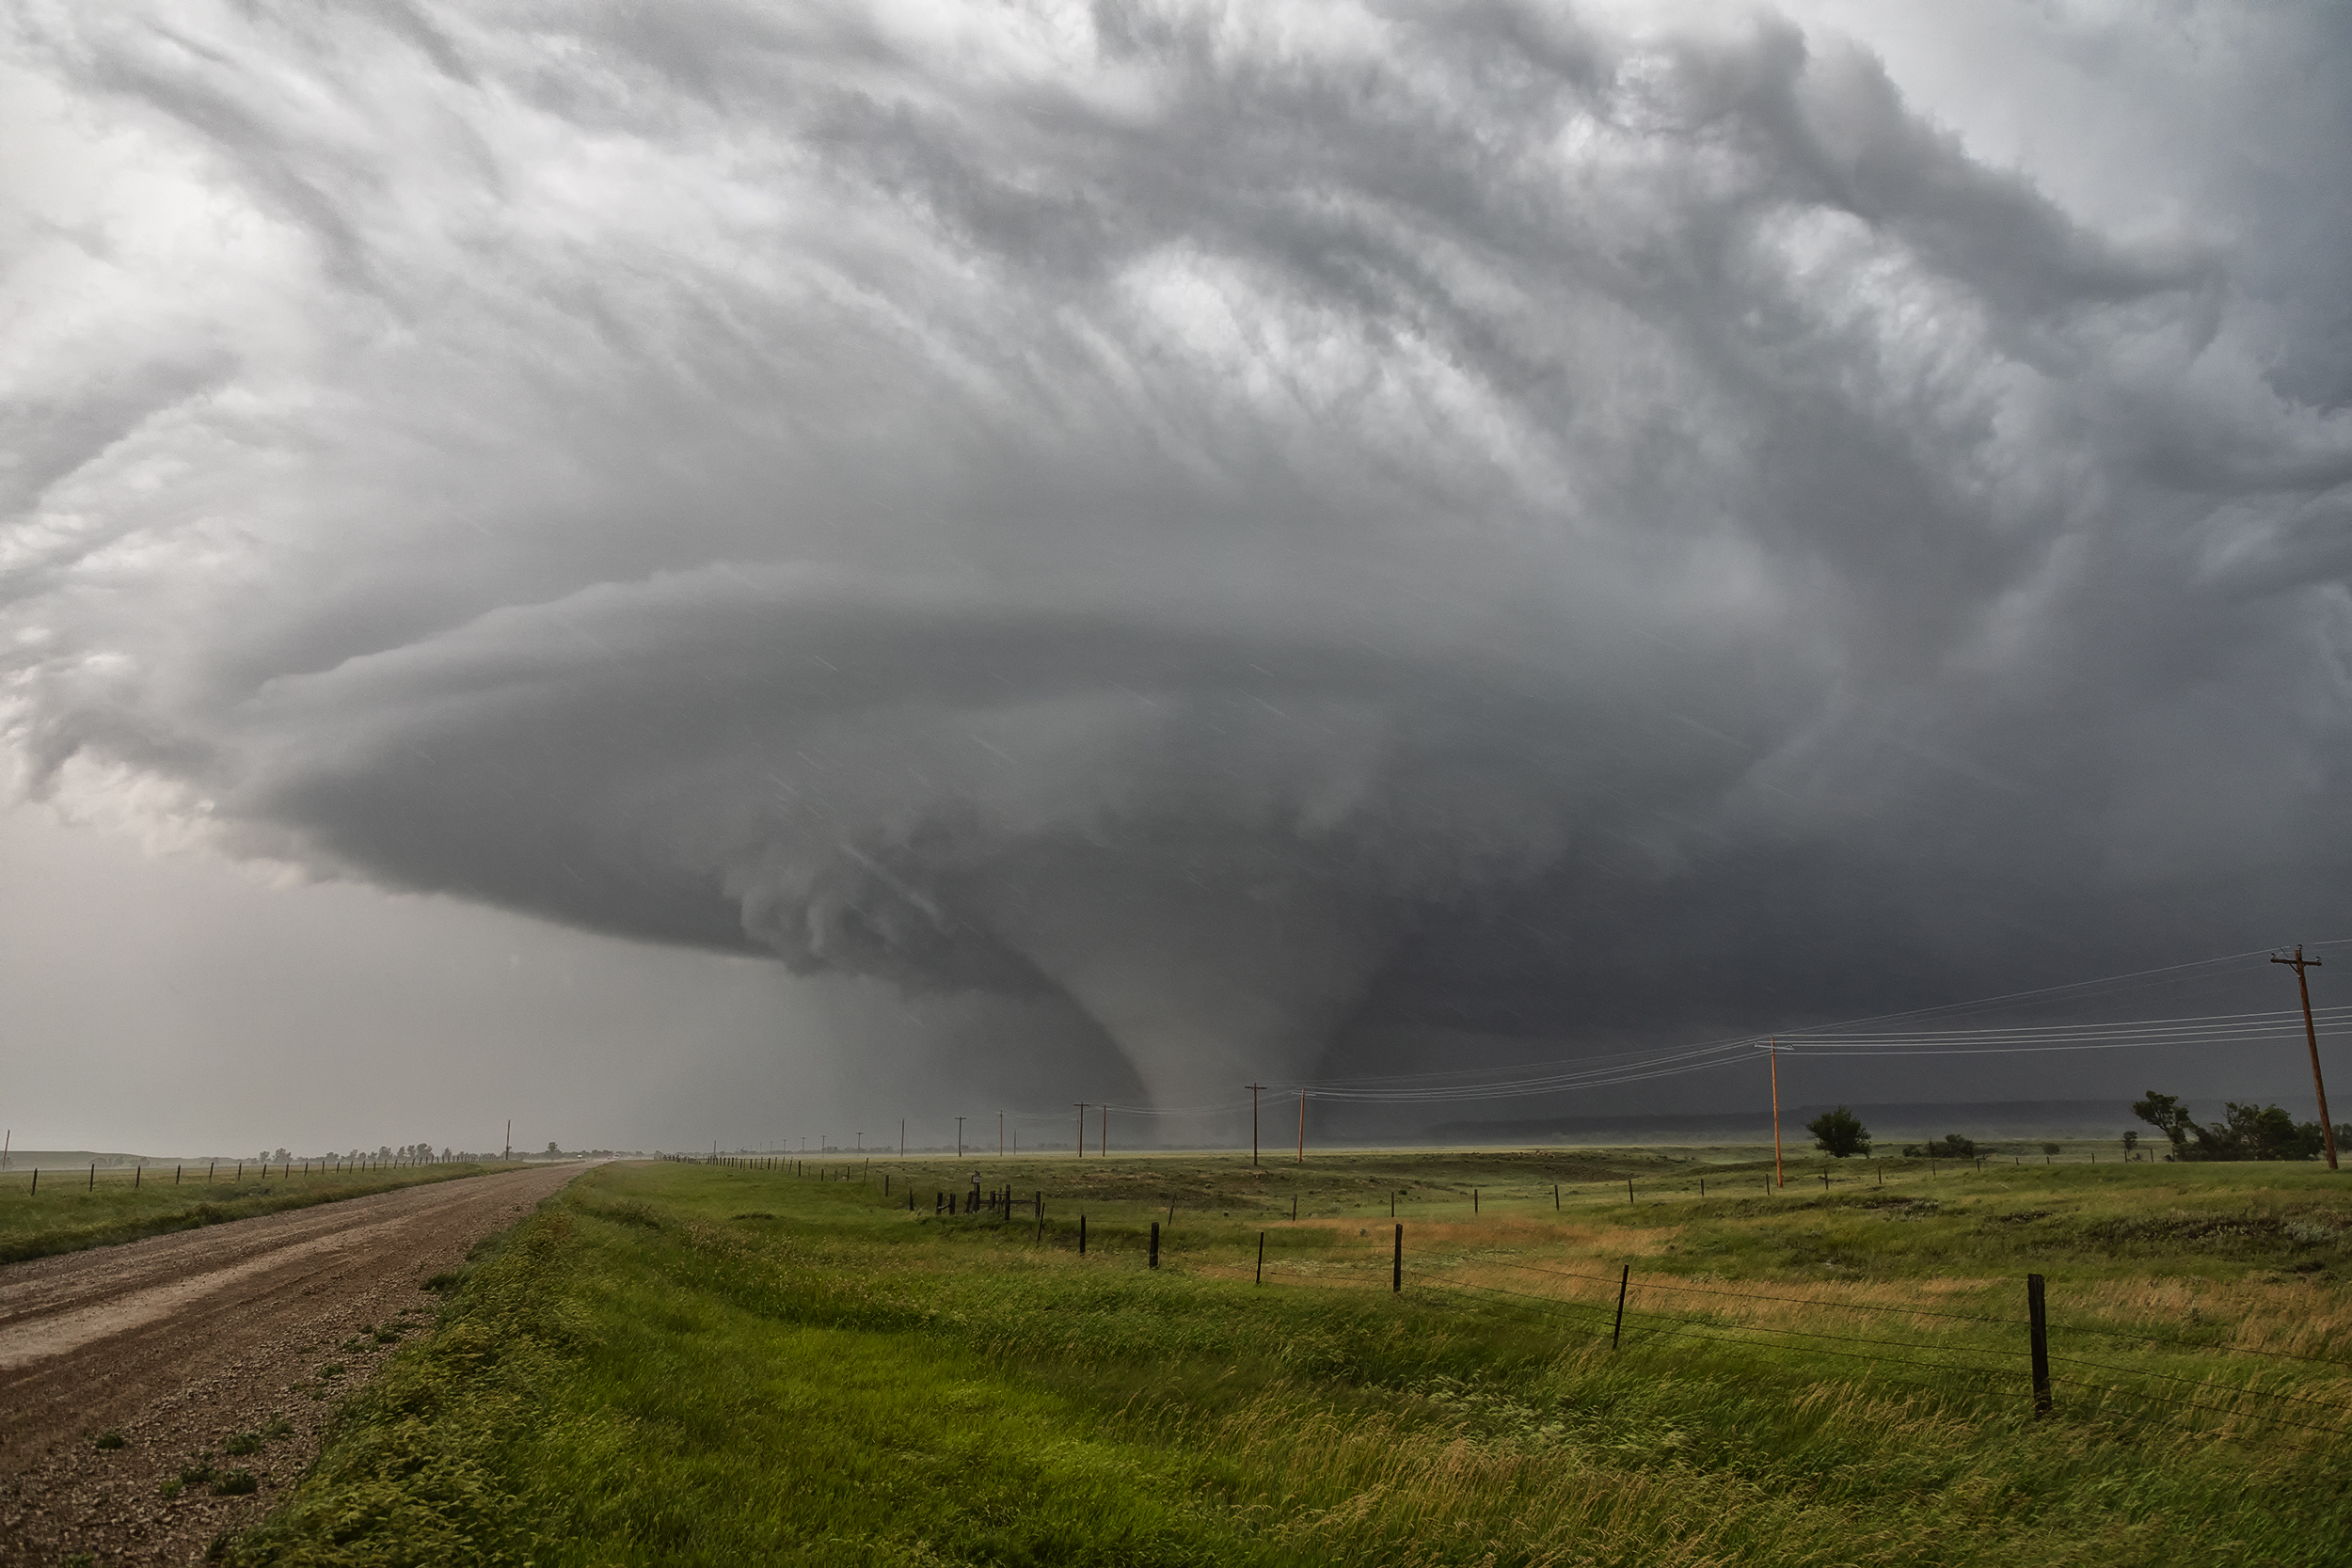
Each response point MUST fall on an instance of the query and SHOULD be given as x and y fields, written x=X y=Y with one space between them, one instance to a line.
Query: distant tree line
x=2244 y=1132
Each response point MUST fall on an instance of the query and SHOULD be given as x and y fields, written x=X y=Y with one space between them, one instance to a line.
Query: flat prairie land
x=73 y=1209
x=781 y=1363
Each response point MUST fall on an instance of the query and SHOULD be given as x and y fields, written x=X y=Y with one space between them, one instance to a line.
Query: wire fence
x=64 y=1180
x=1628 y=1309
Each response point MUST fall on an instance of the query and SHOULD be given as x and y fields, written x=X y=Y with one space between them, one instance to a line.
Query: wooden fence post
x=1396 y=1269
x=1629 y=1191
x=1155 y=1244
x=1623 y=1280
x=1082 y=1235
x=1261 y=1257
x=1555 y=1198
x=2039 y=1325
x=1474 y=1200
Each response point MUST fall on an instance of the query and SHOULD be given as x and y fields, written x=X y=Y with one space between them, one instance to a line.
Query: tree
x=2244 y=1133
x=2131 y=1142
x=2169 y=1117
x=552 y=1149
x=1839 y=1133
x=2051 y=1149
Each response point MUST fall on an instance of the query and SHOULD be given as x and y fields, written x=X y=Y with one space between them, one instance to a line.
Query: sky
x=730 y=573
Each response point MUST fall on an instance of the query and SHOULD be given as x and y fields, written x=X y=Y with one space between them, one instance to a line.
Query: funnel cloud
x=1299 y=536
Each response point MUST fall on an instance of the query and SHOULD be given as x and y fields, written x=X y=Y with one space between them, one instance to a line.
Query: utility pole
x=2311 y=1037
x=1082 y=1127
x=1780 y=1177
x=959 y=1137
x=1000 y=1134
x=1107 y=1130
x=1253 y=1121
x=1302 y=1124
x=902 y=1137
x=510 y=1139
x=860 y=1143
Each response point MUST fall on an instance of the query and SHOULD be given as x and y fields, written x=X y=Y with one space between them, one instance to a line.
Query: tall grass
x=696 y=1365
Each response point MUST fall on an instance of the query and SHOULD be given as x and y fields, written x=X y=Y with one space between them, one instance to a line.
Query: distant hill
x=1983 y=1118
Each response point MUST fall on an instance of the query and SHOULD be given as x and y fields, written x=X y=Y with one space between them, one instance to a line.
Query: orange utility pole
x=2311 y=1037
x=1253 y=1121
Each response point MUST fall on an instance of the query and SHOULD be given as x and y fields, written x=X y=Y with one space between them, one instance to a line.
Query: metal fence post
x=2039 y=1320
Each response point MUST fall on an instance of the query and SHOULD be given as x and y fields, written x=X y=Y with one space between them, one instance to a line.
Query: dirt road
x=225 y=1347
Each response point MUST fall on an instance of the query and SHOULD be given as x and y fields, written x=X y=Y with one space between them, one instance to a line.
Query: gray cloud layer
x=1249 y=521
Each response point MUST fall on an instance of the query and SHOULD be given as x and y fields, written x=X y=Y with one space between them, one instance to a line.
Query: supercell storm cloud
x=1254 y=522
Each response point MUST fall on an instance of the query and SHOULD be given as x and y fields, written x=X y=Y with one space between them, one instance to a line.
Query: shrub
x=1951 y=1146
x=1839 y=1133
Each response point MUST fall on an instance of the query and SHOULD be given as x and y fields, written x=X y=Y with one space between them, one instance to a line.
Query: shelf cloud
x=1256 y=522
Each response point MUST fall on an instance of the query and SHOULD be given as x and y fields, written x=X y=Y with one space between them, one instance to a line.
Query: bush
x=1839 y=1133
x=1951 y=1146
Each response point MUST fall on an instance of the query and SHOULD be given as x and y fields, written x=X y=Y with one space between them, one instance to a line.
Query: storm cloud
x=1266 y=525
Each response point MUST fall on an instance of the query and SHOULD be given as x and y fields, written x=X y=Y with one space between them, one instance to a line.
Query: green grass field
x=700 y=1364
x=71 y=1210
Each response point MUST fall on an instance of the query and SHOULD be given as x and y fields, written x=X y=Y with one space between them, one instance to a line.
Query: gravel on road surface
x=217 y=1353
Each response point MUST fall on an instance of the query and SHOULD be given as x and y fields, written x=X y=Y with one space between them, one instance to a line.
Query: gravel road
x=193 y=1346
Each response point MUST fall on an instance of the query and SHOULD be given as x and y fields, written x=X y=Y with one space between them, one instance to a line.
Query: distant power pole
x=860 y=1143
x=1106 y=1131
x=1082 y=1127
x=1253 y=1121
x=1302 y=1125
x=959 y=1137
x=1001 y=1133
x=510 y=1132
x=2311 y=1037
x=1780 y=1175
x=902 y=1137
